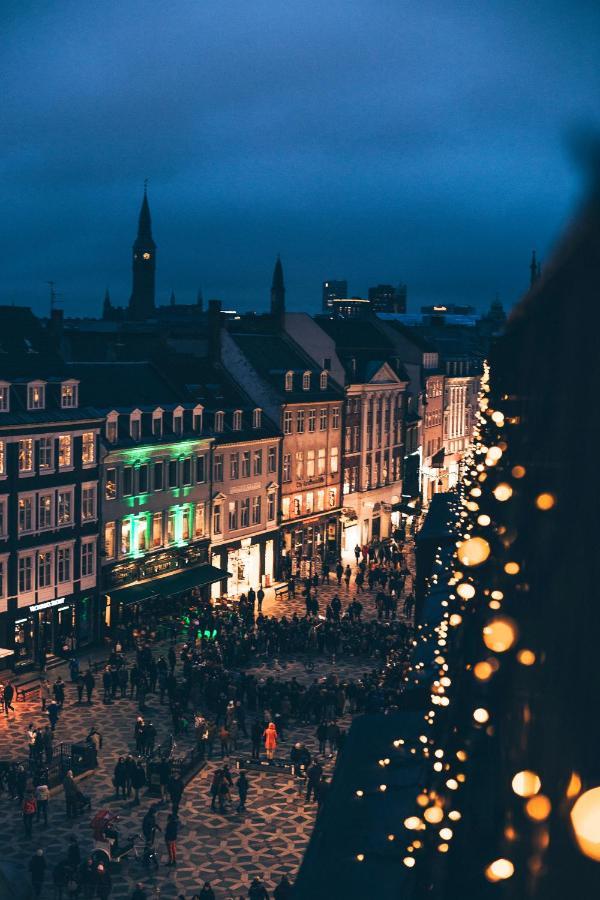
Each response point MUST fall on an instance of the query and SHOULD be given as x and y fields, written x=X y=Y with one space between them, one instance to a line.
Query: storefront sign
x=47 y=605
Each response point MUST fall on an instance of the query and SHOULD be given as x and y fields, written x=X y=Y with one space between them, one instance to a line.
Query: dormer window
x=68 y=395
x=157 y=423
x=112 y=427
x=198 y=411
x=323 y=381
x=178 y=420
x=219 y=421
x=237 y=420
x=4 y=397
x=257 y=418
x=36 y=395
x=135 y=425
x=306 y=381
x=289 y=381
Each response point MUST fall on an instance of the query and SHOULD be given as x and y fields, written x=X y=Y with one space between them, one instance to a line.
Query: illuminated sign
x=47 y=605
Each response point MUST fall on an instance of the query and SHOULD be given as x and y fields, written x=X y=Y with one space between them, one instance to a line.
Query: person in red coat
x=270 y=736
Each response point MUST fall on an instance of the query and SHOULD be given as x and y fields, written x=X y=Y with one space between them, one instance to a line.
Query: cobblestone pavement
x=227 y=850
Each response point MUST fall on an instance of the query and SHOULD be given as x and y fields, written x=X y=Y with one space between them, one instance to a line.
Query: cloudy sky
x=427 y=141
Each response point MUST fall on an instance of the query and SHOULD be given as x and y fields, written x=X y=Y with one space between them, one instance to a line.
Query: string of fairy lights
x=481 y=580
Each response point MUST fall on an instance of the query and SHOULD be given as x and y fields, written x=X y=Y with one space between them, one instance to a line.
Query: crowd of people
x=215 y=698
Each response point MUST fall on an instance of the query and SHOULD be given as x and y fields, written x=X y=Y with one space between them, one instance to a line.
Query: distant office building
x=333 y=290
x=386 y=298
x=351 y=307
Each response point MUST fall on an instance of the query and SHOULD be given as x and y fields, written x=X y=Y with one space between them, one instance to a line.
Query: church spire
x=145 y=220
x=107 y=307
x=278 y=293
x=141 y=302
x=535 y=269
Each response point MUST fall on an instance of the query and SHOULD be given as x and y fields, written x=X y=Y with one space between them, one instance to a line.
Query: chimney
x=214 y=331
x=55 y=323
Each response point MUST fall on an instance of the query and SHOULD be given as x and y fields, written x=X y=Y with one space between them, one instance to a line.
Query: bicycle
x=146 y=853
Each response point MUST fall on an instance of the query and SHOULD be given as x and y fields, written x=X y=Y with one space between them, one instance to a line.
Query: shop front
x=307 y=543
x=58 y=627
x=250 y=562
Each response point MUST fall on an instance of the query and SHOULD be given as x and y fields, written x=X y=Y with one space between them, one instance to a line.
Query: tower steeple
x=107 y=307
x=535 y=269
x=278 y=293
x=141 y=302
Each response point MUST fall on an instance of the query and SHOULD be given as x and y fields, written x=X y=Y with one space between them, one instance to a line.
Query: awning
x=167 y=585
x=437 y=460
x=405 y=508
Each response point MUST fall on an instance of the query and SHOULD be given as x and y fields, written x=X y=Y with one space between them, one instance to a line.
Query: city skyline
x=401 y=146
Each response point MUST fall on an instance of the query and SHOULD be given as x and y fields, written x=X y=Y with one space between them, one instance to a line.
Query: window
x=285 y=507
x=143 y=479
x=200 y=469
x=287 y=422
x=88 y=502
x=185 y=524
x=127 y=481
x=110 y=487
x=158 y=476
x=309 y=502
x=135 y=426
x=271 y=460
x=68 y=395
x=270 y=506
x=171 y=527
x=321 y=461
x=64 y=565
x=172 y=473
x=125 y=537
x=323 y=381
x=3 y=522
x=187 y=470
x=199 y=519
x=335 y=417
x=45 y=450
x=300 y=421
x=299 y=465
x=237 y=420
x=25 y=514
x=332 y=497
x=88 y=448
x=157 y=529
x=297 y=505
x=2 y=579
x=217 y=526
x=36 y=396
x=287 y=466
x=323 y=417
x=256 y=510
x=65 y=451
x=257 y=418
x=334 y=461
x=88 y=558
x=218 y=468
x=233 y=515
x=246 y=464
x=234 y=466
x=64 y=507
x=306 y=381
x=112 y=429
x=219 y=421
x=45 y=569
x=26 y=455
x=141 y=535
x=310 y=464
x=157 y=423
x=320 y=501
x=289 y=381
x=312 y=419
x=178 y=421
x=109 y=540
x=2 y=459
x=257 y=468
x=245 y=512
x=4 y=398
x=197 y=420
x=25 y=582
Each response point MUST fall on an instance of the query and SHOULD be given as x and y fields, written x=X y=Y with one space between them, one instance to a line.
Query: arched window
x=178 y=420
x=323 y=380
x=257 y=418
x=306 y=381
x=237 y=420
x=198 y=410
x=157 y=422
x=135 y=425
x=289 y=381
x=219 y=421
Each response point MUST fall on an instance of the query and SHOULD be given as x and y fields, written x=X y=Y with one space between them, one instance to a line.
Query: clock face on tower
x=146 y=255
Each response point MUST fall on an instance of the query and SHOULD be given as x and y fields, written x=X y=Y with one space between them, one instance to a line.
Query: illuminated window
x=233 y=515
x=64 y=507
x=271 y=506
x=2 y=459
x=25 y=514
x=310 y=464
x=185 y=525
x=289 y=381
x=287 y=467
x=285 y=508
x=157 y=529
x=88 y=448
x=312 y=419
x=110 y=485
x=309 y=502
x=299 y=465
x=88 y=502
x=219 y=421
x=306 y=381
x=68 y=395
x=65 y=451
x=256 y=510
x=199 y=519
x=109 y=540
x=320 y=500
x=217 y=524
x=332 y=497
x=88 y=559
x=323 y=381
x=141 y=533
x=26 y=455
x=63 y=568
x=171 y=526
x=257 y=418
x=287 y=422
x=125 y=537
x=36 y=396
x=298 y=505
x=4 y=398
x=334 y=460
x=321 y=460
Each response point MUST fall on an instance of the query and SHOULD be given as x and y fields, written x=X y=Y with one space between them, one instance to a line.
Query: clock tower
x=141 y=302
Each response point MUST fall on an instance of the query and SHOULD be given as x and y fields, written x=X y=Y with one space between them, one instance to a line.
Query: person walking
x=242 y=788
x=8 y=695
x=120 y=777
x=347 y=577
x=270 y=738
x=53 y=709
x=260 y=596
x=257 y=890
x=45 y=693
x=171 y=832
x=313 y=778
x=29 y=810
x=175 y=788
x=138 y=781
x=37 y=870
x=207 y=892
x=59 y=691
x=42 y=796
x=283 y=891
x=71 y=792
x=322 y=736
x=255 y=736
x=90 y=684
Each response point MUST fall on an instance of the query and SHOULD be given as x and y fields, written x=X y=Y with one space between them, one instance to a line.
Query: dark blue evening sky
x=375 y=140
